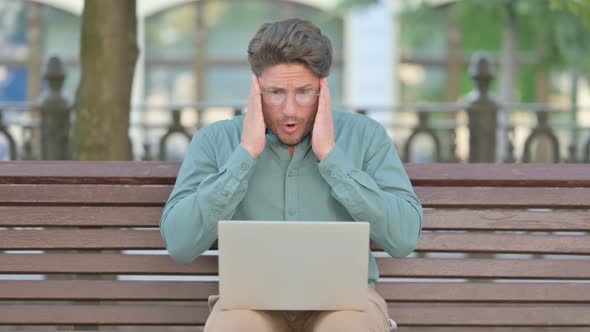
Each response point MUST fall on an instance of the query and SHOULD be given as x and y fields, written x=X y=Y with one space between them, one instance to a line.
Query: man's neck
x=291 y=150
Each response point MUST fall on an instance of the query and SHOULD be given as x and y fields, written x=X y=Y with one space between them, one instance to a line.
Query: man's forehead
x=289 y=75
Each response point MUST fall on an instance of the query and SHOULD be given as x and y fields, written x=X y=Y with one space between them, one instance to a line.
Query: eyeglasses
x=303 y=98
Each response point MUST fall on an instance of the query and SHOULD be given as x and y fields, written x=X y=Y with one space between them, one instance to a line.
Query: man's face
x=291 y=120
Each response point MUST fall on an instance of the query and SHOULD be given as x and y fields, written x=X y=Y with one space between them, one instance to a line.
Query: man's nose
x=289 y=107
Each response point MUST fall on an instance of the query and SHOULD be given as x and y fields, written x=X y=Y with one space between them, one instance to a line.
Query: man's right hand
x=254 y=128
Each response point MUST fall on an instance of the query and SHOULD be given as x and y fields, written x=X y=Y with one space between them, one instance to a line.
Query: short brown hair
x=290 y=41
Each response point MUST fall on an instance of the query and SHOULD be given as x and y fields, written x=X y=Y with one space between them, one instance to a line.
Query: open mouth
x=290 y=127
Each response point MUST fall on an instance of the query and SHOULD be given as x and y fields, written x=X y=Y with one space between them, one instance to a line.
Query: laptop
x=285 y=265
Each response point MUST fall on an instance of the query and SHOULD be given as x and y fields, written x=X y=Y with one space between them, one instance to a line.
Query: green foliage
x=342 y=7
x=555 y=33
x=421 y=25
x=579 y=8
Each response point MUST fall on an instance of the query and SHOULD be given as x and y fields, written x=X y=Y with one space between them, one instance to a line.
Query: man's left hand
x=322 y=138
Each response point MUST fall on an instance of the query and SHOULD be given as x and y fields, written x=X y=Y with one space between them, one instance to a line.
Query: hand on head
x=322 y=139
x=254 y=128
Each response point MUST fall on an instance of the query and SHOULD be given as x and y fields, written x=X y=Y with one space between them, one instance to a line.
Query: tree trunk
x=108 y=55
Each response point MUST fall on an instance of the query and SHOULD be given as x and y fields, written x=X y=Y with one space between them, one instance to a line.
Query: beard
x=302 y=129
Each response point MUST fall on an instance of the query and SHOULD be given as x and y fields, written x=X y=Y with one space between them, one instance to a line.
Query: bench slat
x=103 y=314
x=429 y=196
x=434 y=219
x=83 y=172
x=491 y=316
x=100 y=290
x=484 y=268
x=196 y=315
x=439 y=174
x=470 y=242
x=504 y=197
x=507 y=220
x=103 y=264
x=499 y=175
x=505 y=292
x=207 y=265
x=84 y=194
x=80 y=216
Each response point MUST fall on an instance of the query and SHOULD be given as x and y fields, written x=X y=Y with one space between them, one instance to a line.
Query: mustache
x=291 y=120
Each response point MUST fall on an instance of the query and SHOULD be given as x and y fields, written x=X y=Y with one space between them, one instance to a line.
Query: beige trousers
x=375 y=319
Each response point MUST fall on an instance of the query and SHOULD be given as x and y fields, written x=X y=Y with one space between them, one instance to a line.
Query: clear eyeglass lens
x=277 y=98
x=303 y=98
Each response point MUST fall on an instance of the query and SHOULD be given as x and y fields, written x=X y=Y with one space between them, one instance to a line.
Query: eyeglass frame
x=263 y=91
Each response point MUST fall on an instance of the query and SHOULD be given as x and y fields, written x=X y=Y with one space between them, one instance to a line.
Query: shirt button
x=292 y=212
x=225 y=193
x=291 y=173
x=244 y=166
x=328 y=173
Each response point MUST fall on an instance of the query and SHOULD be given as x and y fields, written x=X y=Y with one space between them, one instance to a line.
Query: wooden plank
x=504 y=292
x=80 y=216
x=430 y=196
x=470 y=242
x=81 y=239
x=439 y=174
x=190 y=328
x=104 y=264
x=207 y=265
x=434 y=219
x=84 y=172
x=149 y=195
x=196 y=315
x=473 y=242
x=509 y=220
x=499 y=175
x=103 y=314
x=484 y=268
x=101 y=290
x=491 y=316
x=489 y=197
x=440 y=292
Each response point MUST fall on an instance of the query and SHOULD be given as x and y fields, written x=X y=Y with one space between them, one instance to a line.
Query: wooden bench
x=503 y=246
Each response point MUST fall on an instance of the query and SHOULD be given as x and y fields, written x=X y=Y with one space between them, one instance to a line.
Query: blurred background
x=452 y=81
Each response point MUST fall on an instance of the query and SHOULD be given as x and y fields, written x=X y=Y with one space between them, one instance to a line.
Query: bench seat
x=504 y=247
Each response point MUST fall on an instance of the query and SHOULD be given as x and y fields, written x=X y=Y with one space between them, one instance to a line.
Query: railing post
x=174 y=128
x=55 y=113
x=482 y=111
x=8 y=138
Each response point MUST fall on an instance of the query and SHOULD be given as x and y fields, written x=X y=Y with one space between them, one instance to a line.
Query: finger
x=326 y=88
x=256 y=83
x=254 y=88
x=324 y=94
x=254 y=101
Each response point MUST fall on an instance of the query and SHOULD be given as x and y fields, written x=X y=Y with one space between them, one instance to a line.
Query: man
x=291 y=158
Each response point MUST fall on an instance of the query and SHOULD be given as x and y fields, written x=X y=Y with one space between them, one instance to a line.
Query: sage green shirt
x=362 y=179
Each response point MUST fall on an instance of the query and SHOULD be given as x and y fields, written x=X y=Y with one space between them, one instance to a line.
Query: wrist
x=250 y=150
x=326 y=151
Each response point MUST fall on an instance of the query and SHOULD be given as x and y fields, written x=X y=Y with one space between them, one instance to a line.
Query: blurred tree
x=108 y=54
x=555 y=31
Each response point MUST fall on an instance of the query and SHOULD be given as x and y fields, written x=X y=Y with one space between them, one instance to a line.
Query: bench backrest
x=502 y=246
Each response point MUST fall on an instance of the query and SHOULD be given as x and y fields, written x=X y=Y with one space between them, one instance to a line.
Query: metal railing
x=425 y=132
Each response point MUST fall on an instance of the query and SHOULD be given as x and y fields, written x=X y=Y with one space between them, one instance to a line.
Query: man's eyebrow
x=273 y=88
x=276 y=88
